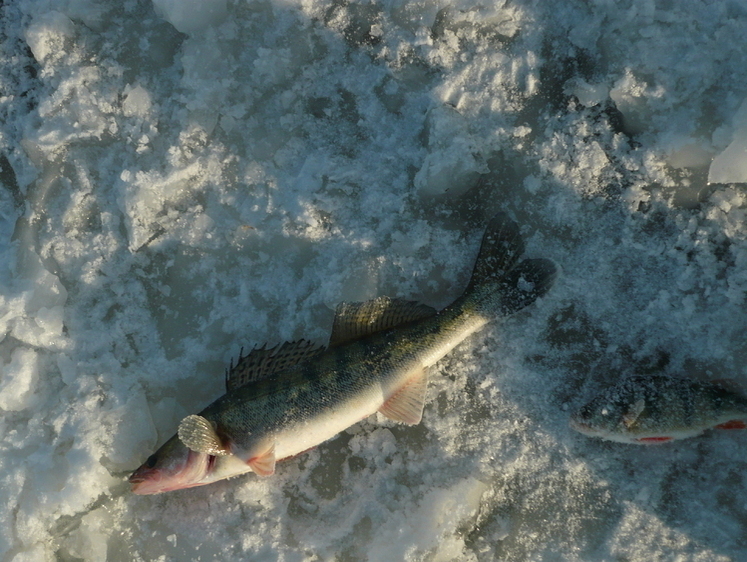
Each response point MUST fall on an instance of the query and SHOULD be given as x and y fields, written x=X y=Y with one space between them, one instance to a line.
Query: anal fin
x=406 y=404
x=654 y=440
x=732 y=424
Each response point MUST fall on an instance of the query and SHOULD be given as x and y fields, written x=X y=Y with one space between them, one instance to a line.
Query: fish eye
x=584 y=413
x=151 y=462
x=605 y=411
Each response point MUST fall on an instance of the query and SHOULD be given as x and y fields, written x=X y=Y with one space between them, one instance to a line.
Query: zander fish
x=656 y=409
x=283 y=401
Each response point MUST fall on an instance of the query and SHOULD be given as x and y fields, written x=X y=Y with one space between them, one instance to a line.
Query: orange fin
x=406 y=405
x=264 y=464
x=654 y=440
x=732 y=424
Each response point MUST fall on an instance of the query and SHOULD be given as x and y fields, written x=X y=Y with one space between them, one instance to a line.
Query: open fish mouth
x=581 y=427
x=147 y=480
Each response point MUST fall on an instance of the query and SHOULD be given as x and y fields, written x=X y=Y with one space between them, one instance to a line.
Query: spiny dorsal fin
x=262 y=363
x=354 y=320
x=198 y=434
x=406 y=405
x=501 y=247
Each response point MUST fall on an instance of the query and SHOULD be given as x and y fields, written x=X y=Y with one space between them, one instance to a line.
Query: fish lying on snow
x=286 y=400
x=656 y=409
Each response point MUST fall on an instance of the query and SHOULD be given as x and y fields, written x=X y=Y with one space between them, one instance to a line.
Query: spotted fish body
x=657 y=409
x=284 y=401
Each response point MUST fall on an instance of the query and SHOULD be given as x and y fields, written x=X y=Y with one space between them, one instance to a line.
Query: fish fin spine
x=262 y=363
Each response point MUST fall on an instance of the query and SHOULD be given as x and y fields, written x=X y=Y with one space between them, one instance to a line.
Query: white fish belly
x=327 y=423
x=301 y=437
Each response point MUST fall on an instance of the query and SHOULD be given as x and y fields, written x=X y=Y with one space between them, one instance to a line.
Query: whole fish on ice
x=656 y=409
x=286 y=400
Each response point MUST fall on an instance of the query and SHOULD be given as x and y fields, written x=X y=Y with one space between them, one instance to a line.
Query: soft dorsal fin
x=262 y=363
x=198 y=434
x=730 y=385
x=406 y=404
x=354 y=320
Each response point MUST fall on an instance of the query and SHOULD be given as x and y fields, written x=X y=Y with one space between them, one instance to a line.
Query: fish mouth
x=581 y=427
x=143 y=474
x=146 y=480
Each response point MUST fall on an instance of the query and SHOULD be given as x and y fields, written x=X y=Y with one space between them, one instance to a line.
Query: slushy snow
x=182 y=179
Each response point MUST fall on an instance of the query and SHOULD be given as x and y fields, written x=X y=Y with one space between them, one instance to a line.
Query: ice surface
x=189 y=16
x=181 y=179
x=730 y=166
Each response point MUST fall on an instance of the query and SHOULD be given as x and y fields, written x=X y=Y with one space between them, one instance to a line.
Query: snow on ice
x=181 y=179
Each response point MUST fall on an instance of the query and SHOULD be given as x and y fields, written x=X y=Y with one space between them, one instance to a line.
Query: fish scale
x=648 y=409
x=286 y=400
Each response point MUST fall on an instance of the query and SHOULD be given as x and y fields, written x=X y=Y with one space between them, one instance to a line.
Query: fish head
x=172 y=467
x=609 y=415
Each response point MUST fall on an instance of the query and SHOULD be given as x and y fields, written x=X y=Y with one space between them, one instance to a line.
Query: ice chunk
x=454 y=162
x=137 y=101
x=189 y=16
x=731 y=165
x=48 y=34
x=587 y=94
x=50 y=320
x=634 y=98
x=20 y=379
x=33 y=554
x=134 y=434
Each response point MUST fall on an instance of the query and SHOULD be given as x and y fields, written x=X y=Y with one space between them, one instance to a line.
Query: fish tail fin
x=500 y=284
x=500 y=249
x=525 y=283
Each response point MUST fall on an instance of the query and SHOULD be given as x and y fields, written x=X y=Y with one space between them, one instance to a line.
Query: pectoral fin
x=198 y=434
x=406 y=404
x=631 y=415
x=264 y=464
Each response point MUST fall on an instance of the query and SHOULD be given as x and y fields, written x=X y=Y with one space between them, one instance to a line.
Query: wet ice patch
x=730 y=165
x=190 y=16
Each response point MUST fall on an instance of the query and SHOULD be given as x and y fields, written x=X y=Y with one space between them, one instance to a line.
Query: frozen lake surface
x=183 y=178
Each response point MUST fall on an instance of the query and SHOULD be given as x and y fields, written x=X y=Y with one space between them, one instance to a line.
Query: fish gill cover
x=181 y=179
